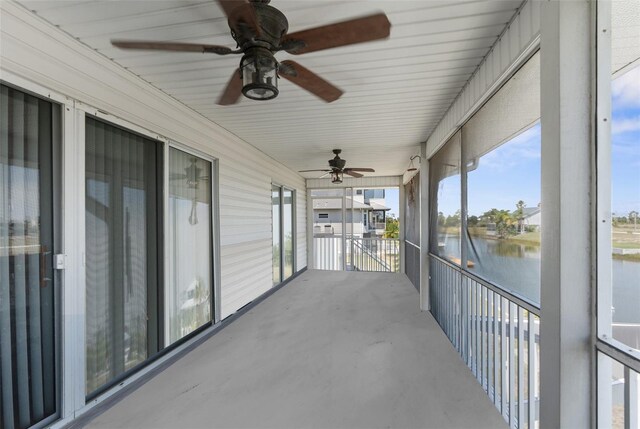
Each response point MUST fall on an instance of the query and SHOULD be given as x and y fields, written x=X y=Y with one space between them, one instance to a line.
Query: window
x=123 y=251
x=618 y=205
x=288 y=214
x=497 y=163
x=323 y=215
x=625 y=202
x=502 y=160
x=283 y=212
x=373 y=194
x=188 y=295
x=276 y=236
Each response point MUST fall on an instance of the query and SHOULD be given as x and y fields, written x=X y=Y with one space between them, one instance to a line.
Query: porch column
x=566 y=314
x=424 y=228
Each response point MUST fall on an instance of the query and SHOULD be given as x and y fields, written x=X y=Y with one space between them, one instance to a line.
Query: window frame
x=604 y=346
x=294 y=212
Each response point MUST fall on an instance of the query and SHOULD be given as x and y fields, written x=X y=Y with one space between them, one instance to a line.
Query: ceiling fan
x=260 y=31
x=337 y=169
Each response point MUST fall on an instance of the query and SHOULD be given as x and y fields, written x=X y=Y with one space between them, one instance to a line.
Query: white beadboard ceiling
x=396 y=90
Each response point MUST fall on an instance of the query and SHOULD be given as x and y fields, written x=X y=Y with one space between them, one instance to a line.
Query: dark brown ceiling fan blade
x=310 y=81
x=366 y=170
x=233 y=90
x=352 y=173
x=241 y=15
x=359 y=30
x=310 y=171
x=172 y=46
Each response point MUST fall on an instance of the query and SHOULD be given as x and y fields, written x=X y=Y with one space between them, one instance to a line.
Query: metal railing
x=374 y=254
x=496 y=333
x=327 y=253
x=412 y=262
x=362 y=254
x=618 y=384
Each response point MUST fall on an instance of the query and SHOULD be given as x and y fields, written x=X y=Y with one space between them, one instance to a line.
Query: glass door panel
x=189 y=289
x=275 y=212
x=27 y=295
x=287 y=227
x=123 y=251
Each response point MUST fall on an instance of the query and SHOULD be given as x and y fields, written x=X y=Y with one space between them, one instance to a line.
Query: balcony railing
x=360 y=254
x=496 y=333
x=373 y=254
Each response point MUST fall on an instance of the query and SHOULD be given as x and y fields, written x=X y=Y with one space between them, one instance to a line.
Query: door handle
x=43 y=263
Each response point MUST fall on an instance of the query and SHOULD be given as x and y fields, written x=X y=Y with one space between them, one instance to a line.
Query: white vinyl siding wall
x=36 y=51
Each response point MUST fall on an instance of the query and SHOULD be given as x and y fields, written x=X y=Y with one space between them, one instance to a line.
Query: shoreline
x=630 y=257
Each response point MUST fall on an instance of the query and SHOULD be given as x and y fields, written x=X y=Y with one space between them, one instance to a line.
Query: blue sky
x=625 y=151
x=512 y=171
x=392 y=199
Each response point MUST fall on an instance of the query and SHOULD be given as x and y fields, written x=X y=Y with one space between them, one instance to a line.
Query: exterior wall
x=36 y=52
x=535 y=220
x=335 y=220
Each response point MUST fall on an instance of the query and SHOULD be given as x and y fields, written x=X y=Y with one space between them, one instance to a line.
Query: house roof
x=376 y=206
x=529 y=211
x=336 y=204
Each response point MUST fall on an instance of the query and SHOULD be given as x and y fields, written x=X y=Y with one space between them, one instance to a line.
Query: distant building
x=365 y=214
x=531 y=217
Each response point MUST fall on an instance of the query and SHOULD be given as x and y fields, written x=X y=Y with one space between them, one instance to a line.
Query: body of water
x=516 y=268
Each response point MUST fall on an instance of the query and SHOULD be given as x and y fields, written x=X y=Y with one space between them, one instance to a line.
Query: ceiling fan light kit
x=260 y=31
x=259 y=70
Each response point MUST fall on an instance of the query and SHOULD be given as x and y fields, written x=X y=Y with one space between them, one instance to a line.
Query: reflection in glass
x=288 y=214
x=188 y=292
x=444 y=179
x=123 y=200
x=27 y=299
x=275 y=213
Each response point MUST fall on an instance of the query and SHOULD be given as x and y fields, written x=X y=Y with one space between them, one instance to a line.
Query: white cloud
x=626 y=89
x=626 y=125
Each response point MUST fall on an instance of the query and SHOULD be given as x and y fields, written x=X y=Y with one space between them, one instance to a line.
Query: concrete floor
x=329 y=350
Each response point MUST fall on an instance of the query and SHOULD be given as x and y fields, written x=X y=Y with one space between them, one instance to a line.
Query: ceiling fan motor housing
x=273 y=25
x=337 y=163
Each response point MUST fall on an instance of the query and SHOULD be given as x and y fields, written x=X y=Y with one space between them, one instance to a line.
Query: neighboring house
x=363 y=218
x=531 y=217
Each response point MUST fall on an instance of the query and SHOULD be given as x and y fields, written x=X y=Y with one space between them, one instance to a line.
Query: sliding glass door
x=188 y=295
x=275 y=236
x=283 y=238
x=287 y=233
x=123 y=251
x=28 y=136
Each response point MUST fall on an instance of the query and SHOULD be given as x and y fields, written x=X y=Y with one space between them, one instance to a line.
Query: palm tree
x=520 y=205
